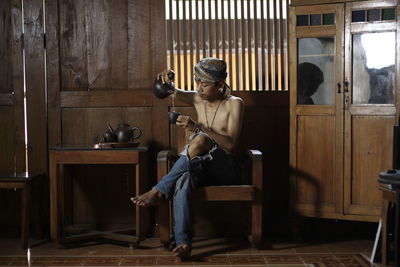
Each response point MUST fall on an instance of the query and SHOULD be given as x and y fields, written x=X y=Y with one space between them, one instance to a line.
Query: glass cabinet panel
x=315 y=71
x=374 y=68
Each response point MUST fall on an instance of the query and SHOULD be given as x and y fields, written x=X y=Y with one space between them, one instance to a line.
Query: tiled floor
x=206 y=252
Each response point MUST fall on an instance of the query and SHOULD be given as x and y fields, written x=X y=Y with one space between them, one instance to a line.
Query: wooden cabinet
x=343 y=105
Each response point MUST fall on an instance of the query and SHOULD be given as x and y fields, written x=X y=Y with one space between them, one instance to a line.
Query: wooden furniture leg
x=385 y=224
x=388 y=202
x=25 y=210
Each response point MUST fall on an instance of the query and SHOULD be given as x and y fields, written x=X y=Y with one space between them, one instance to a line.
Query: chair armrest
x=255 y=166
x=164 y=159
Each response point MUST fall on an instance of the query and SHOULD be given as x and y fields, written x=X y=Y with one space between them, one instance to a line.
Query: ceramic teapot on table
x=110 y=136
x=126 y=133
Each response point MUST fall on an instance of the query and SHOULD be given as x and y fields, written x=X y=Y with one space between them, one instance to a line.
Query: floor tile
x=102 y=261
x=56 y=261
x=283 y=259
x=139 y=261
x=246 y=259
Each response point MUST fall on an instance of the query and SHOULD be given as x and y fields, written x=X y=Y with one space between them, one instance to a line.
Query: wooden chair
x=250 y=192
x=26 y=182
x=388 y=201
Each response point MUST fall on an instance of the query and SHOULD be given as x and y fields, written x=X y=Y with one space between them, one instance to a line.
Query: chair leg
x=25 y=215
x=164 y=222
x=256 y=224
x=385 y=224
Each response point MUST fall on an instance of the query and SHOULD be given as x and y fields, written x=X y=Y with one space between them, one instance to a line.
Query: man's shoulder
x=234 y=100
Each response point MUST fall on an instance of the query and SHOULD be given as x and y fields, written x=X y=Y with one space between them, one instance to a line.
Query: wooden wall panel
x=35 y=85
x=7 y=128
x=139 y=44
x=18 y=85
x=316 y=134
x=73 y=44
x=106 y=28
x=5 y=47
x=87 y=125
x=53 y=73
x=7 y=139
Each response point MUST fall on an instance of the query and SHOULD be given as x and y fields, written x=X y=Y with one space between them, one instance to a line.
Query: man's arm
x=185 y=96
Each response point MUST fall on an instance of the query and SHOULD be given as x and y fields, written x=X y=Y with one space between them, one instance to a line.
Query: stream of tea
x=173 y=102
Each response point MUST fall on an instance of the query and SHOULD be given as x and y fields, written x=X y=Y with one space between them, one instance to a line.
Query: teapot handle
x=138 y=132
x=110 y=129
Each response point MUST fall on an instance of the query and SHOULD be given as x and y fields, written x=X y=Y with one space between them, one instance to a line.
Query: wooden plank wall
x=12 y=151
x=102 y=58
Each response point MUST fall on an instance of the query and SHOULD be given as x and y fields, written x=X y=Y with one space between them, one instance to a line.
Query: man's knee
x=199 y=145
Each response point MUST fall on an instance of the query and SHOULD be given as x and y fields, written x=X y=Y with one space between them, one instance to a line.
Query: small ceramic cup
x=173 y=116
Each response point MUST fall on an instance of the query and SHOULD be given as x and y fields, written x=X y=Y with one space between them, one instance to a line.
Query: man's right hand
x=166 y=76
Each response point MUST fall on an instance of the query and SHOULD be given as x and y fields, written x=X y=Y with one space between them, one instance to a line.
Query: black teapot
x=162 y=90
x=110 y=136
x=126 y=133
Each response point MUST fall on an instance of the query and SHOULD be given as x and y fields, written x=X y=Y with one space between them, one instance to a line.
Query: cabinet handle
x=346 y=86
x=339 y=88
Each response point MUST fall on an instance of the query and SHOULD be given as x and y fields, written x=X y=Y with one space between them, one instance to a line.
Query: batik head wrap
x=212 y=70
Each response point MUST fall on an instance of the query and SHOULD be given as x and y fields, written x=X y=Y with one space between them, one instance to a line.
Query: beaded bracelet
x=196 y=128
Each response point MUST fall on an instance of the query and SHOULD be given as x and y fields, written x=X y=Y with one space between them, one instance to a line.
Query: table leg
x=25 y=202
x=141 y=213
x=138 y=210
x=54 y=216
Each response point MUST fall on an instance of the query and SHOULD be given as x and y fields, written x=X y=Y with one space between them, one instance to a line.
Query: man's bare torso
x=220 y=114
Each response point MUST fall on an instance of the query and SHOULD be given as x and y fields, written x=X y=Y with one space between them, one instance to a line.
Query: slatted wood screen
x=249 y=34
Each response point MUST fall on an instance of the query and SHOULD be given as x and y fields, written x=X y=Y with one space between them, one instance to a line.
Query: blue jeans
x=215 y=168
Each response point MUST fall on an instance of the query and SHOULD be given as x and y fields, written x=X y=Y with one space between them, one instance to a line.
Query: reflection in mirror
x=315 y=71
x=374 y=68
x=309 y=78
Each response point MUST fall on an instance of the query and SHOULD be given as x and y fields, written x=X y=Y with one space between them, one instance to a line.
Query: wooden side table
x=65 y=155
x=24 y=181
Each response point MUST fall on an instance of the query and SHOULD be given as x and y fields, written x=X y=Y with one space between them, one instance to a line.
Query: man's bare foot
x=150 y=198
x=182 y=251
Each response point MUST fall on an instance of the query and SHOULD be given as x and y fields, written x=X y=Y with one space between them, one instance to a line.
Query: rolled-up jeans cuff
x=162 y=190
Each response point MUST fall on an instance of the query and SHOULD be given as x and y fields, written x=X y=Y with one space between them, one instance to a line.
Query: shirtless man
x=208 y=158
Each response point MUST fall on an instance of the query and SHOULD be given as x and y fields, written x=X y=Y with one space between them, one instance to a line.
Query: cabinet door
x=316 y=48
x=369 y=101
